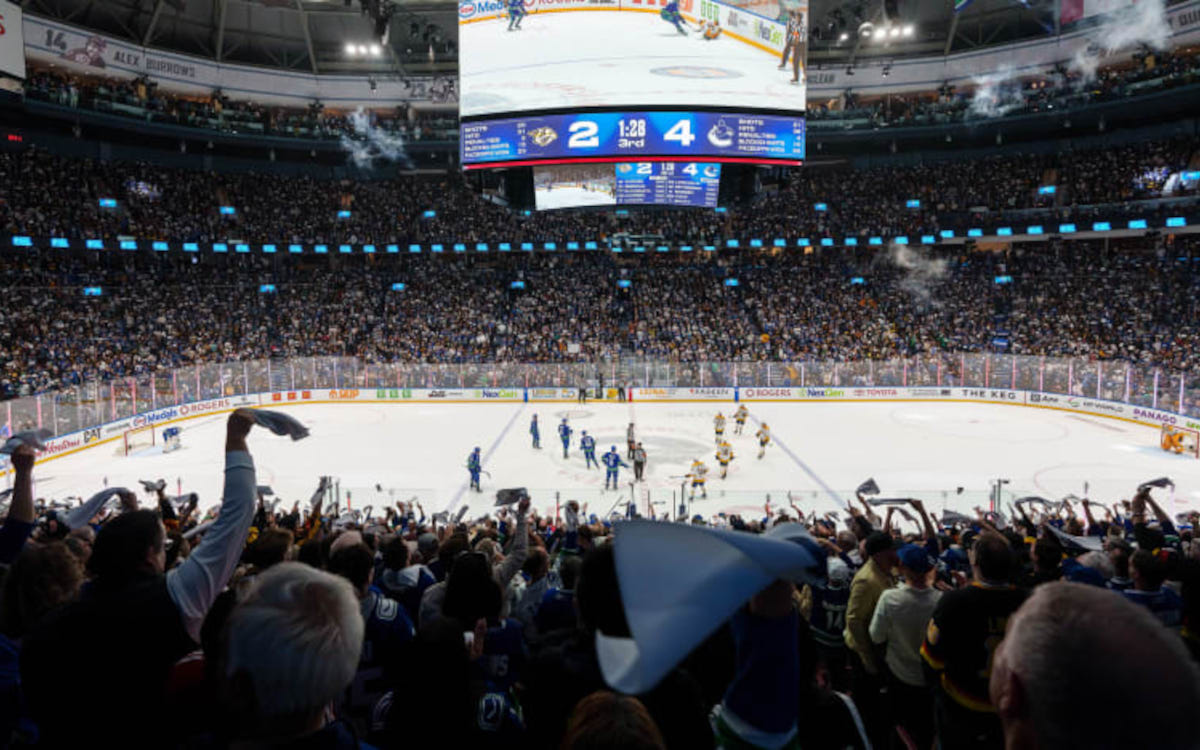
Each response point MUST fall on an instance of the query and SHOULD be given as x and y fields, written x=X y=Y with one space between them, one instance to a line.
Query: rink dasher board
x=109 y=432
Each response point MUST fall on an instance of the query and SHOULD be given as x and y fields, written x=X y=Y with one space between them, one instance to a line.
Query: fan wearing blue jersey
x=612 y=461
x=670 y=13
x=564 y=434
x=475 y=466
x=516 y=14
x=588 y=444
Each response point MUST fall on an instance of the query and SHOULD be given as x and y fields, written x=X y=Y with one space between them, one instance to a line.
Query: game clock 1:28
x=625 y=134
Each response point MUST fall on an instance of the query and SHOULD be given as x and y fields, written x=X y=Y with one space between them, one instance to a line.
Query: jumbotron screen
x=643 y=183
x=563 y=81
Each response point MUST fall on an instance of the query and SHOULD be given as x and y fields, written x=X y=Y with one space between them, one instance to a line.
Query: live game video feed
x=621 y=79
x=642 y=183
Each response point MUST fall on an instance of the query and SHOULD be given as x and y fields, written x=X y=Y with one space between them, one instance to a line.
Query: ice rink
x=617 y=59
x=566 y=197
x=820 y=450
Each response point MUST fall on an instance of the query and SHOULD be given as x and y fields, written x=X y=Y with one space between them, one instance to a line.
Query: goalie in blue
x=671 y=14
x=516 y=14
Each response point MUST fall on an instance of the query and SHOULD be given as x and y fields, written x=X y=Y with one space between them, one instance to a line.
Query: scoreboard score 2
x=632 y=136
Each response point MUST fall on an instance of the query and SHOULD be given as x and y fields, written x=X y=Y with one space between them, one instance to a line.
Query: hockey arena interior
x=600 y=374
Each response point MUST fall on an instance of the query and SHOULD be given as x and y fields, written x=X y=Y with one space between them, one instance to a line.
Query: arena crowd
x=275 y=623
x=160 y=311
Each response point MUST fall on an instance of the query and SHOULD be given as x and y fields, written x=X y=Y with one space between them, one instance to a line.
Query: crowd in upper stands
x=144 y=623
x=1059 y=89
x=158 y=311
x=53 y=196
x=142 y=98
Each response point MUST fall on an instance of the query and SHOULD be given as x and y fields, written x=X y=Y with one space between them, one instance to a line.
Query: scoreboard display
x=668 y=183
x=620 y=136
x=560 y=82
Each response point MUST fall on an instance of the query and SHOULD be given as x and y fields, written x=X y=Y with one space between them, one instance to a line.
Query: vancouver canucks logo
x=720 y=135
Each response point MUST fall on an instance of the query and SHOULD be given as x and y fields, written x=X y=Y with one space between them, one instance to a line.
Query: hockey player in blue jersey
x=564 y=434
x=475 y=467
x=671 y=14
x=612 y=460
x=536 y=433
x=588 y=444
x=516 y=14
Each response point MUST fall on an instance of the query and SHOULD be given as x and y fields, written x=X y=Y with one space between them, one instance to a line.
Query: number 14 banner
x=630 y=135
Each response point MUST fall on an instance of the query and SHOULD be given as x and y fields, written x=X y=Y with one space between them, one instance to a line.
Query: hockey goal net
x=1180 y=440
x=135 y=440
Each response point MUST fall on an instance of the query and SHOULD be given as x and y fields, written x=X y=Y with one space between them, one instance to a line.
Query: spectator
x=387 y=631
x=966 y=625
x=293 y=648
x=1136 y=670
x=145 y=619
x=1148 y=571
x=607 y=721
x=869 y=583
x=899 y=623
x=401 y=581
x=557 y=608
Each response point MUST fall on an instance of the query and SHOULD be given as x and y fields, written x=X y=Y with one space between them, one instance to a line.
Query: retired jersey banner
x=12 y=44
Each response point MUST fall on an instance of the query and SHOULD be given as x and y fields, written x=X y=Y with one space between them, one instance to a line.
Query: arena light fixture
x=351 y=49
x=909 y=30
x=894 y=32
x=843 y=37
x=376 y=50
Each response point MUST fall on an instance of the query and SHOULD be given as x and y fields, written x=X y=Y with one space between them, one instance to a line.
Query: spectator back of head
x=993 y=557
x=1076 y=656
x=293 y=646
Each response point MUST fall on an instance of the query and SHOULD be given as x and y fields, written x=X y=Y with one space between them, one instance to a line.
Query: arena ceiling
x=313 y=35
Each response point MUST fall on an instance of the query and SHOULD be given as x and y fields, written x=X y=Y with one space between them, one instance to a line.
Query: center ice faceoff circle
x=696 y=71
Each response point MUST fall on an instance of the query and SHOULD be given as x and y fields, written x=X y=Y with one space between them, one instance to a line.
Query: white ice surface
x=412 y=449
x=566 y=197
x=591 y=59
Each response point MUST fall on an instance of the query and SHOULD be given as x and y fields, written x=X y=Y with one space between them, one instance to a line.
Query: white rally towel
x=679 y=582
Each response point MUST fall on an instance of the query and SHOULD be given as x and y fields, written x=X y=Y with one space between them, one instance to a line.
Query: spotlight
x=894 y=32
x=909 y=30
x=375 y=50
x=843 y=37
x=866 y=29
x=351 y=49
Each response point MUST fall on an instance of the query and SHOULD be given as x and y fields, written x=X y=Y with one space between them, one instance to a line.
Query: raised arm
x=926 y=524
x=195 y=584
x=18 y=524
x=519 y=550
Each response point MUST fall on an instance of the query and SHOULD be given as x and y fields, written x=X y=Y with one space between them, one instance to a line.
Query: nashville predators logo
x=696 y=71
x=543 y=136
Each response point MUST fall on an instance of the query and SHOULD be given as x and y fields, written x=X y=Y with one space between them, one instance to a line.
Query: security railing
x=93 y=404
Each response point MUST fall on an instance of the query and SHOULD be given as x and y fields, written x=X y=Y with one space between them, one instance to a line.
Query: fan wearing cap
x=825 y=609
x=869 y=583
x=899 y=622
